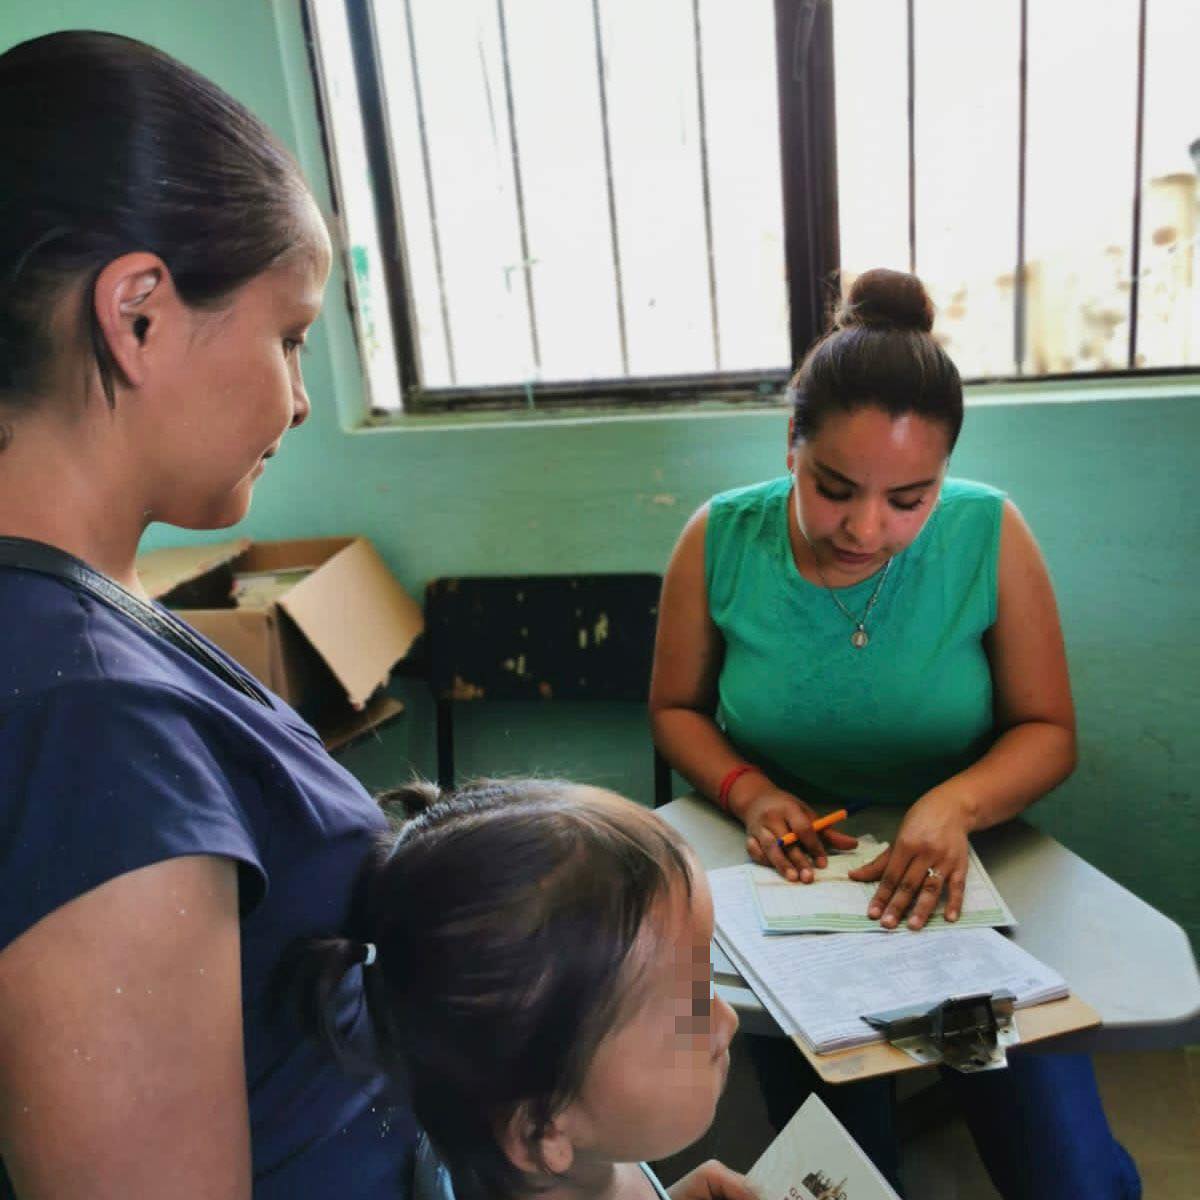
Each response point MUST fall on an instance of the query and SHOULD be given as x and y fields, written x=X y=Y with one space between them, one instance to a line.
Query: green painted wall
x=1109 y=485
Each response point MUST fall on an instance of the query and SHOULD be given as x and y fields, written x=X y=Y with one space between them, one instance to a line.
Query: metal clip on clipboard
x=968 y=1033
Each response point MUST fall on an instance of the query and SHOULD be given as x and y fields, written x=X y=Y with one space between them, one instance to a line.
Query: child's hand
x=712 y=1181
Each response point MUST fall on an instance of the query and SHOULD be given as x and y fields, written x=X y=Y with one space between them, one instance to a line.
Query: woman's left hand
x=712 y=1181
x=928 y=856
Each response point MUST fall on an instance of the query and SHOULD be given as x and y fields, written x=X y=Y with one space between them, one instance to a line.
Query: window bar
x=427 y=168
x=526 y=260
x=912 y=141
x=377 y=143
x=808 y=145
x=614 y=235
x=705 y=189
x=1135 y=257
x=1022 y=148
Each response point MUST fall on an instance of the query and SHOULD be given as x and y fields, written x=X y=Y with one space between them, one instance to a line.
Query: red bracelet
x=731 y=777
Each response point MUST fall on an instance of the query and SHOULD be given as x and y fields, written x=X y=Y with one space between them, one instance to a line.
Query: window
x=550 y=201
x=1049 y=173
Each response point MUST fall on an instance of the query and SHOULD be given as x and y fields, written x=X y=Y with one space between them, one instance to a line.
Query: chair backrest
x=540 y=637
x=550 y=637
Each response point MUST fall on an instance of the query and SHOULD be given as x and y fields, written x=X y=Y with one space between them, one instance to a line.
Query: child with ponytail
x=535 y=961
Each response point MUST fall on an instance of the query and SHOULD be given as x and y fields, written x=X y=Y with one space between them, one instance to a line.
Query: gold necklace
x=859 y=638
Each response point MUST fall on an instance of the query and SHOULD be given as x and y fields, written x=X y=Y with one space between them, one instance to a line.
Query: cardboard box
x=321 y=621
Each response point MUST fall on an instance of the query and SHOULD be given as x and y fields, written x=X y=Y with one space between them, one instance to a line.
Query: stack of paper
x=819 y=986
x=834 y=903
x=261 y=589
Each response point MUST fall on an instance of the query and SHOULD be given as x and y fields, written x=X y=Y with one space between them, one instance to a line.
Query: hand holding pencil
x=774 y=815
x=834 y=818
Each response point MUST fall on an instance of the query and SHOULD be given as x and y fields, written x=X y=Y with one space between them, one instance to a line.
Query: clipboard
x=1035 y=1024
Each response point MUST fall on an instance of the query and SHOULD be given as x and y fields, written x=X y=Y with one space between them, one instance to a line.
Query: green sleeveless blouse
x=834 y=723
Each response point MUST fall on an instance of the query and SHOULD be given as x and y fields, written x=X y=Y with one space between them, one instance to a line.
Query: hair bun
x=881 y=297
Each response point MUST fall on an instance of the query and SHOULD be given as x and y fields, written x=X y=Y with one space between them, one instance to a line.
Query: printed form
x=819 y=986
x=835 y=903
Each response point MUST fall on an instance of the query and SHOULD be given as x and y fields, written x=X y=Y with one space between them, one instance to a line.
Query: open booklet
x=814 y=1158
x=835 y=903
x=818 y=987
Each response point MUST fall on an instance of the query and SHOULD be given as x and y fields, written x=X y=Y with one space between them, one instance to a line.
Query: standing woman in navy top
x=166 y=827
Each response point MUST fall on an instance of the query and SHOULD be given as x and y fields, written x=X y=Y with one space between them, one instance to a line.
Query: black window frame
x=804 y=65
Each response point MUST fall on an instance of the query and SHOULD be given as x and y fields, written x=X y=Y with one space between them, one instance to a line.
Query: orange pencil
x=833 y=818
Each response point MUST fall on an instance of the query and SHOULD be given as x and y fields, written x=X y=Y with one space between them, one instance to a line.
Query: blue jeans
x=1041 y=1131
x=1039 y=1126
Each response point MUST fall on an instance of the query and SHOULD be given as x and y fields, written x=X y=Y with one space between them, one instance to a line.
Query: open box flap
x=357 y=618
x=245 y=636
x=343 y=734
x=161 y=571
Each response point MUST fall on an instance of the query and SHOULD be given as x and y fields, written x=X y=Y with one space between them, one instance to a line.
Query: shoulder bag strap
x=28 y=555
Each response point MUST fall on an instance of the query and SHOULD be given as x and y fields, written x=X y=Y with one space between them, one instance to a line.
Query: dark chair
x=540 y=638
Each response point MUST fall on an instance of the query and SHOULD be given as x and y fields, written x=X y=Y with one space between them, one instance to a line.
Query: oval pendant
x=858 y=639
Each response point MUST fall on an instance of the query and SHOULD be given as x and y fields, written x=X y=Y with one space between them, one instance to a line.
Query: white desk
x=1133 y=965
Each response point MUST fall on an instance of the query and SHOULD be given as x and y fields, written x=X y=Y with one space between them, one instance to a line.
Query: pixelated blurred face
x=655 y=1081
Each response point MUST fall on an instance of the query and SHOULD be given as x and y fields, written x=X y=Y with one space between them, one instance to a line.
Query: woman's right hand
x=768 y=814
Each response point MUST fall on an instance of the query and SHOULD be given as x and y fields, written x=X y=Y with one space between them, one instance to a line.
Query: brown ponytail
x=505 y=917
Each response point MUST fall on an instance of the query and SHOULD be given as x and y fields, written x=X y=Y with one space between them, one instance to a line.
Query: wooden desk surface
x=1131 y=963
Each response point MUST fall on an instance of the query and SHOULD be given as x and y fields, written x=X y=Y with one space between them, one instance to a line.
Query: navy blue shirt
x=118 y=751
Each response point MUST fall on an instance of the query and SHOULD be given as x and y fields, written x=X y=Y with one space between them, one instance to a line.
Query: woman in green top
x=866 y=629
